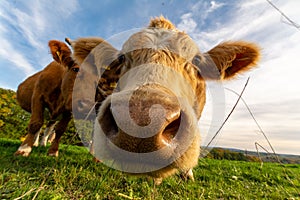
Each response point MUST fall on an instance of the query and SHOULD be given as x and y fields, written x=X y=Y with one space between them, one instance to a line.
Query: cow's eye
x=75 y=69
x=121 y=58
x=197 y=60
x=117 y=62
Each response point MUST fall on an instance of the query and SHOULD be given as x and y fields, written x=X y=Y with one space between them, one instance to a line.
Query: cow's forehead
x=162 y=39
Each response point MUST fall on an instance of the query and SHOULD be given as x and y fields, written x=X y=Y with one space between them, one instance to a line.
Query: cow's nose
x=83 y=106
x=144 y=122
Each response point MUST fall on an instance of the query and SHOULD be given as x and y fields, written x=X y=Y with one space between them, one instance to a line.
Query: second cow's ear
x=59 y=50
x=227 y=60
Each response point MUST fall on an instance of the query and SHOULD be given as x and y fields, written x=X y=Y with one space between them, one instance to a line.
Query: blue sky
x=273 y=93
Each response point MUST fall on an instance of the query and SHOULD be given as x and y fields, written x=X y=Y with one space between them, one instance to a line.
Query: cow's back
x=25 y=91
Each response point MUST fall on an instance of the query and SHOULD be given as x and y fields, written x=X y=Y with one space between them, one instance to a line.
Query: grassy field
x=74 y=175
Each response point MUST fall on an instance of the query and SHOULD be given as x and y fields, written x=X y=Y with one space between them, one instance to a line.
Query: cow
x=24 y=96
x=155 y=92
x=51 y=89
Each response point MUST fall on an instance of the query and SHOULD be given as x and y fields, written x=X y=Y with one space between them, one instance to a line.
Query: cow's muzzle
x=141 y=121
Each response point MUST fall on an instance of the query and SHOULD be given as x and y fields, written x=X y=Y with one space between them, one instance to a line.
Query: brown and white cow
x=24 y=96
x=51 y=89
x=148 y=125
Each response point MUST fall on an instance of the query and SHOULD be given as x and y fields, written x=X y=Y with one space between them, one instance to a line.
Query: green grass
x=74 y=175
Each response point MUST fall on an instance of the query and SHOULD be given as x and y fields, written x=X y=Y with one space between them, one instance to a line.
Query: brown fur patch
x=83 y=46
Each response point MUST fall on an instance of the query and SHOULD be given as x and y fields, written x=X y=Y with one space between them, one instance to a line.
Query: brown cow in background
x=49 y=89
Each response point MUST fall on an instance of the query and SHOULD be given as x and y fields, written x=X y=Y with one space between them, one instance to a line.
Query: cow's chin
x=133 y=155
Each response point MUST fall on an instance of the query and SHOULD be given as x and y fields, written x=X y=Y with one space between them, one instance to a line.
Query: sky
x=273 y=91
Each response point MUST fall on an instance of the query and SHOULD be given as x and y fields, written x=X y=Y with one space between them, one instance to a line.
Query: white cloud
x=15 y=57
x=257 y=21
x=25 y=29
x=30 y=26
x=36 y=19
x=187 y=23
x=215 y=5
x=203 y=9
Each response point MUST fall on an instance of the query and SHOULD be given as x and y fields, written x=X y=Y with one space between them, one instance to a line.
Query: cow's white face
x=148 y=125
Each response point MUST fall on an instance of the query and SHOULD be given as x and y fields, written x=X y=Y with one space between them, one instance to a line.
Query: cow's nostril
x=80 y=104
x=83 y=104
x=108 y=123
x=171 y=130
x=146 y=123
x=84 y=108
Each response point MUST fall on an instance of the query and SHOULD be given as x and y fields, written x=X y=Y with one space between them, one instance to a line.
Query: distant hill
x=270 y=157
x=237 y=154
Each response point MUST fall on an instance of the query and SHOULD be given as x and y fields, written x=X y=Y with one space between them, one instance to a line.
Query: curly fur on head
x=161 y=22
x=83 y=46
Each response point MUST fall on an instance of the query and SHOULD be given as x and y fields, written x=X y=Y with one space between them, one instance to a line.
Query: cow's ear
x=95 y=53
x=228 y=59
x=59 y=50
x=82 y=47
